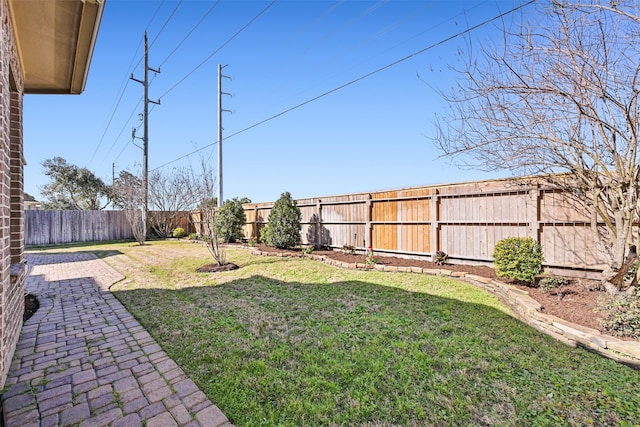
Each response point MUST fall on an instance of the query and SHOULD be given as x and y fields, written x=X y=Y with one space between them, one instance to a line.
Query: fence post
x=535 y=194
x=435 y=226
x=319 y=237
x=368 y=227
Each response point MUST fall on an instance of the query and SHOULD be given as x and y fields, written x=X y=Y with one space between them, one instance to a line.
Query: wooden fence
x=48 y=227
x=464 y=220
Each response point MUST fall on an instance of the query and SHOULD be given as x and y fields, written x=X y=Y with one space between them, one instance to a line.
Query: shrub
x=518 y=258
x=229 y=220
x=194 y=236
x=179 y=233
x=348 y=249
x=622 y=314
x=550 y=285
x=283 y=229
x=441 y=258
x=370 y=258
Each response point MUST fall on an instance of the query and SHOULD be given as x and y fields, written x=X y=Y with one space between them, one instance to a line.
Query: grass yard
x=292 y=342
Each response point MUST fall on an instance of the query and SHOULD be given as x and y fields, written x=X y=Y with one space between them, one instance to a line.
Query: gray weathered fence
x=45 y=227
x=464 y=220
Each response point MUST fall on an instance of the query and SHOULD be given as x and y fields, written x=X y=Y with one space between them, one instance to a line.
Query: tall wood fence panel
x=464 y=220
x=48 y=227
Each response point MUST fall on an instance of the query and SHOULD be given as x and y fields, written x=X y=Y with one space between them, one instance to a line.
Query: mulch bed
x=214 y=268
x=576 y=304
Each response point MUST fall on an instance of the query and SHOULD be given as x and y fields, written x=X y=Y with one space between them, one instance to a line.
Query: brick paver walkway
x=83 y=360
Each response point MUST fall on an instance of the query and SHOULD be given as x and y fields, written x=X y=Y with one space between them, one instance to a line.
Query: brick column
x=17 y=180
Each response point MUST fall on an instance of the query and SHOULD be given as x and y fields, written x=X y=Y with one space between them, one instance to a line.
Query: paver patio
x=83 y=360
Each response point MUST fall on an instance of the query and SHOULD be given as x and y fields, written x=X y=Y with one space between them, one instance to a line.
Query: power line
x=125 y=83
x=192 y=71
x=382 y=68
x=175 y=9
x=124 y=126
x=220 y=48
x=190 y=32
x=445 y=40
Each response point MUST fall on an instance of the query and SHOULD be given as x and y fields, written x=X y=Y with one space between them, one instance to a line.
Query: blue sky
x=371 y=135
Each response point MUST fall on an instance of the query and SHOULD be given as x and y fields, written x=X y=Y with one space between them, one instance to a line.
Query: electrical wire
x=123 y=87
x=220 y=48
x=351 y=82
x=175 y=9
x=123 y=126
x=190 y=32
x=193 y=70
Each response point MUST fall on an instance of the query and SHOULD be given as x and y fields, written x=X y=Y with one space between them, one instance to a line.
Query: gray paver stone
x=135 y=405
x=83 y=376
x=181 y=414
x=27 y=416
x=151 y=376
x=55 y=391
x=74 y=414
x=131 y=395
x=194 y=399
x=125 y=384
x=211 y=417
x=164 y=419
x=100 y=391
x=101 y=401
x=114 y=377
x=49 y=421
x=152 y=410
x=103 y=419
x=159 y=394
x=131 y=420
x=175 y=375
x=55 y=401
x=185 y=387
x=84 y=387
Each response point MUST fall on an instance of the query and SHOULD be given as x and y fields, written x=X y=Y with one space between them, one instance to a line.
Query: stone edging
x=526 y=308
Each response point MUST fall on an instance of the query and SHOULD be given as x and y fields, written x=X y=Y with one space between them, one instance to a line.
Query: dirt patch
x=214 y=268
x=576 y=303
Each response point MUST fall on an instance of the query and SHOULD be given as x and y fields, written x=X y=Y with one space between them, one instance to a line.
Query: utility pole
x=220 y=110
x=145 y=137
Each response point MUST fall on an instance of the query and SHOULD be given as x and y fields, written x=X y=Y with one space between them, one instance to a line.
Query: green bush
x=551 y=284
x=348 y=249
x=194 y=236
x=179 y=232
x=622 y=314
x=518 y=258
x=283 y=227
x=441 y=258
x=229 y=220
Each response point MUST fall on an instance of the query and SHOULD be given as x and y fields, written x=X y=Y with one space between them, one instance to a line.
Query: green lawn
x=293 y=342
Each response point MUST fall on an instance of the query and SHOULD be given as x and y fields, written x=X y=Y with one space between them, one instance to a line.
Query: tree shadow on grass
x=354 y=352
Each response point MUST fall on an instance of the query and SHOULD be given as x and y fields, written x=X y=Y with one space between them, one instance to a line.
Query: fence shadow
x=317 y=234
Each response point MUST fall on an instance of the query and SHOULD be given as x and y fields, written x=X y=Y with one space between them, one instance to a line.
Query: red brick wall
x=12 y=271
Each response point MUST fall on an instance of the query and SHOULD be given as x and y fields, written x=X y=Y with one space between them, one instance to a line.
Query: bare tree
x=560 y=93
x=128 y=194
x=211 y=239
x=174 y=192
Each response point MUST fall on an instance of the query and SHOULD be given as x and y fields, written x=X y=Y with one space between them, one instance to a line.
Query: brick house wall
x=12 y=267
